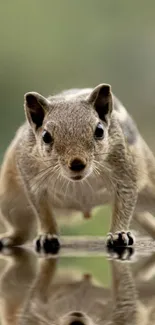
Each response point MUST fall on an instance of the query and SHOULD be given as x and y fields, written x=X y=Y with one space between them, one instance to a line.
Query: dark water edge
x=92 y=245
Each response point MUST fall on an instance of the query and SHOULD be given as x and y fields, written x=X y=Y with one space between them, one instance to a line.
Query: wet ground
x=82 y=285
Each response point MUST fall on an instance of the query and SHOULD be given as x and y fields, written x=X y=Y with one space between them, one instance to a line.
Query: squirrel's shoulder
x=127 y=123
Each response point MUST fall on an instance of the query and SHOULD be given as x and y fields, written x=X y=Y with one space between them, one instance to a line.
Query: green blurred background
x=50 y=45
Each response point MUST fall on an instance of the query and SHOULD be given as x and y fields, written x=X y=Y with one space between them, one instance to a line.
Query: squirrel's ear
x=101 y=99
x=36 y=106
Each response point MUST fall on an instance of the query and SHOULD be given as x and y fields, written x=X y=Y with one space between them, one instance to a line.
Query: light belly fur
x=80 y=196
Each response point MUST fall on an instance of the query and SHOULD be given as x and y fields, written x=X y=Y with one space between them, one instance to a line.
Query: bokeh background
x=50 y=45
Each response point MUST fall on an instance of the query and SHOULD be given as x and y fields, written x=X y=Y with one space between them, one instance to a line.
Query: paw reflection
x=122 y=253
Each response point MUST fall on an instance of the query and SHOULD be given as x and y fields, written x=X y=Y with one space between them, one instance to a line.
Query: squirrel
x=76 y=150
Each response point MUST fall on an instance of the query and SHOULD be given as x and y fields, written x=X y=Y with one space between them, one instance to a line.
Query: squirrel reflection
x=32 y=293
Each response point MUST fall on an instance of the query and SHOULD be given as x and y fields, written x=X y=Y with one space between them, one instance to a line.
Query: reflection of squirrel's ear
x=101 y=99
x=36 y=106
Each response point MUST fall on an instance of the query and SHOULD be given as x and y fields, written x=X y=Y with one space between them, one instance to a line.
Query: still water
x=82 y=285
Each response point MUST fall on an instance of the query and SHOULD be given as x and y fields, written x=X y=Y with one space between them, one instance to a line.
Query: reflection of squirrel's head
x=75 y=302
x=70 y=130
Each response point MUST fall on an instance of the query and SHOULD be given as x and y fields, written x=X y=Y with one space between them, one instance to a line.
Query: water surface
x=82 y=285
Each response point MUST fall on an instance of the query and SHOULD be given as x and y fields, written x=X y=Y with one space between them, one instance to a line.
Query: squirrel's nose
x=76 y=322
x=77 y=314
x=78 y=318
x=77 y=165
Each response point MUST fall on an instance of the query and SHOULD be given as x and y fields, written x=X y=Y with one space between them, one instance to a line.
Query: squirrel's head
x=71 y=130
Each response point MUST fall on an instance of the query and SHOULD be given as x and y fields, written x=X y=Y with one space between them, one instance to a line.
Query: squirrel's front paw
x=120 y=239
x=47 y=243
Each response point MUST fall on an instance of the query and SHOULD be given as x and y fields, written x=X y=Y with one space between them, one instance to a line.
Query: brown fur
x=36 y=180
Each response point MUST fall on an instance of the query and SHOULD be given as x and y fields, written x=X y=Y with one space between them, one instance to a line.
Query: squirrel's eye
x=47 y=137
x=99 y=132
